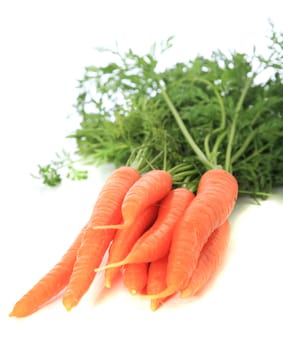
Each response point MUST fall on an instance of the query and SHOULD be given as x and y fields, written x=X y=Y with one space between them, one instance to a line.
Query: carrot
x=156 y=281
x=58 y=277
x=216 y=196
x=209 y=261
x=94 y=244
x=50 y=284
x=148 y=190
x=125 y=239
x=155 y=242
x=135 y=277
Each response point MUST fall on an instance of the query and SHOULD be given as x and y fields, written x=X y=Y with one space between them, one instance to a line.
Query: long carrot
x=155 y=242
x=211 y=257
x=135 y=277
x=94 y=244
x=50 y=284
x=148 y=190
x=125 y=239
x=216 y=196
x=156 y=281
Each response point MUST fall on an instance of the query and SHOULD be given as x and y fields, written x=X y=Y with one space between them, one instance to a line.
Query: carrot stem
x=202 y=157
x=234 y=122
x=244 y=146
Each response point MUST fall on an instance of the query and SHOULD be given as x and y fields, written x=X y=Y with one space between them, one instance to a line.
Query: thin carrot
x=148 y=190
x=135 y=277
x=50 y=284
x=216 y=196
x=156 y=281
x=94 y=244
x=125 y=239
x=155 y=242
x=211 y=256
x=56 y=279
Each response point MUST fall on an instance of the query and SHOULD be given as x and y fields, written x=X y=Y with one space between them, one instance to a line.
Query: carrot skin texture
x=124 y=240
x=215 y=199
x=97 y=242
x=50 y=284
x=216 y=196
x=94 y=244
x=135 y=277
x=156 y=281
x=148 y=190
x=211 y=257
x=155 y=243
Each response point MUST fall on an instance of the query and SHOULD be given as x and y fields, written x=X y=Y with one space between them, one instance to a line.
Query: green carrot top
x=223 y=111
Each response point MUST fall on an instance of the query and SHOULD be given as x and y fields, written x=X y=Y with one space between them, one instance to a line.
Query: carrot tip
x=155 y=304
x=107 y=284
x=21 y=310
x=69 y=302
x=186 y=293
x=68 y=307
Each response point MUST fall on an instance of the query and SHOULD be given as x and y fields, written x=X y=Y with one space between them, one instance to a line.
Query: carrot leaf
x=219 y=111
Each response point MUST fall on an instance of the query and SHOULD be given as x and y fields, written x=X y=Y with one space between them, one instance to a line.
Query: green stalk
x=165 y=154
x=222 y=115
x=234 y=122
x=202 y=157
x=217 y=143
x=244 y=146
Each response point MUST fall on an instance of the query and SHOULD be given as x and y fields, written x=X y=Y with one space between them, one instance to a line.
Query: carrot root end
x=155 y=304
x=69 y=302
x=186 y=294
x=105 y=227
x=107 y=284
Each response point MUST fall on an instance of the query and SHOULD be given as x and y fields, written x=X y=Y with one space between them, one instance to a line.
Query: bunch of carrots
x=164 y=228
x=160 y=238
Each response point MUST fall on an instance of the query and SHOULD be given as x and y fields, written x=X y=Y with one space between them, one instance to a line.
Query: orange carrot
x=209 y=261
x=58 y=277
x=50 y=284
x=125 y=239
x=156 y=281
x=94 y=244
x=148 y=190
x=155 y=242
x=216 y=196
x=135 y=277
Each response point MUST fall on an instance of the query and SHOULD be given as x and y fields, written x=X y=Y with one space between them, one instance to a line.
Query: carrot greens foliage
x=222 y=111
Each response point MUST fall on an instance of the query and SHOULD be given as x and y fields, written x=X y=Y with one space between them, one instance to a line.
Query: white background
x=45 y=46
